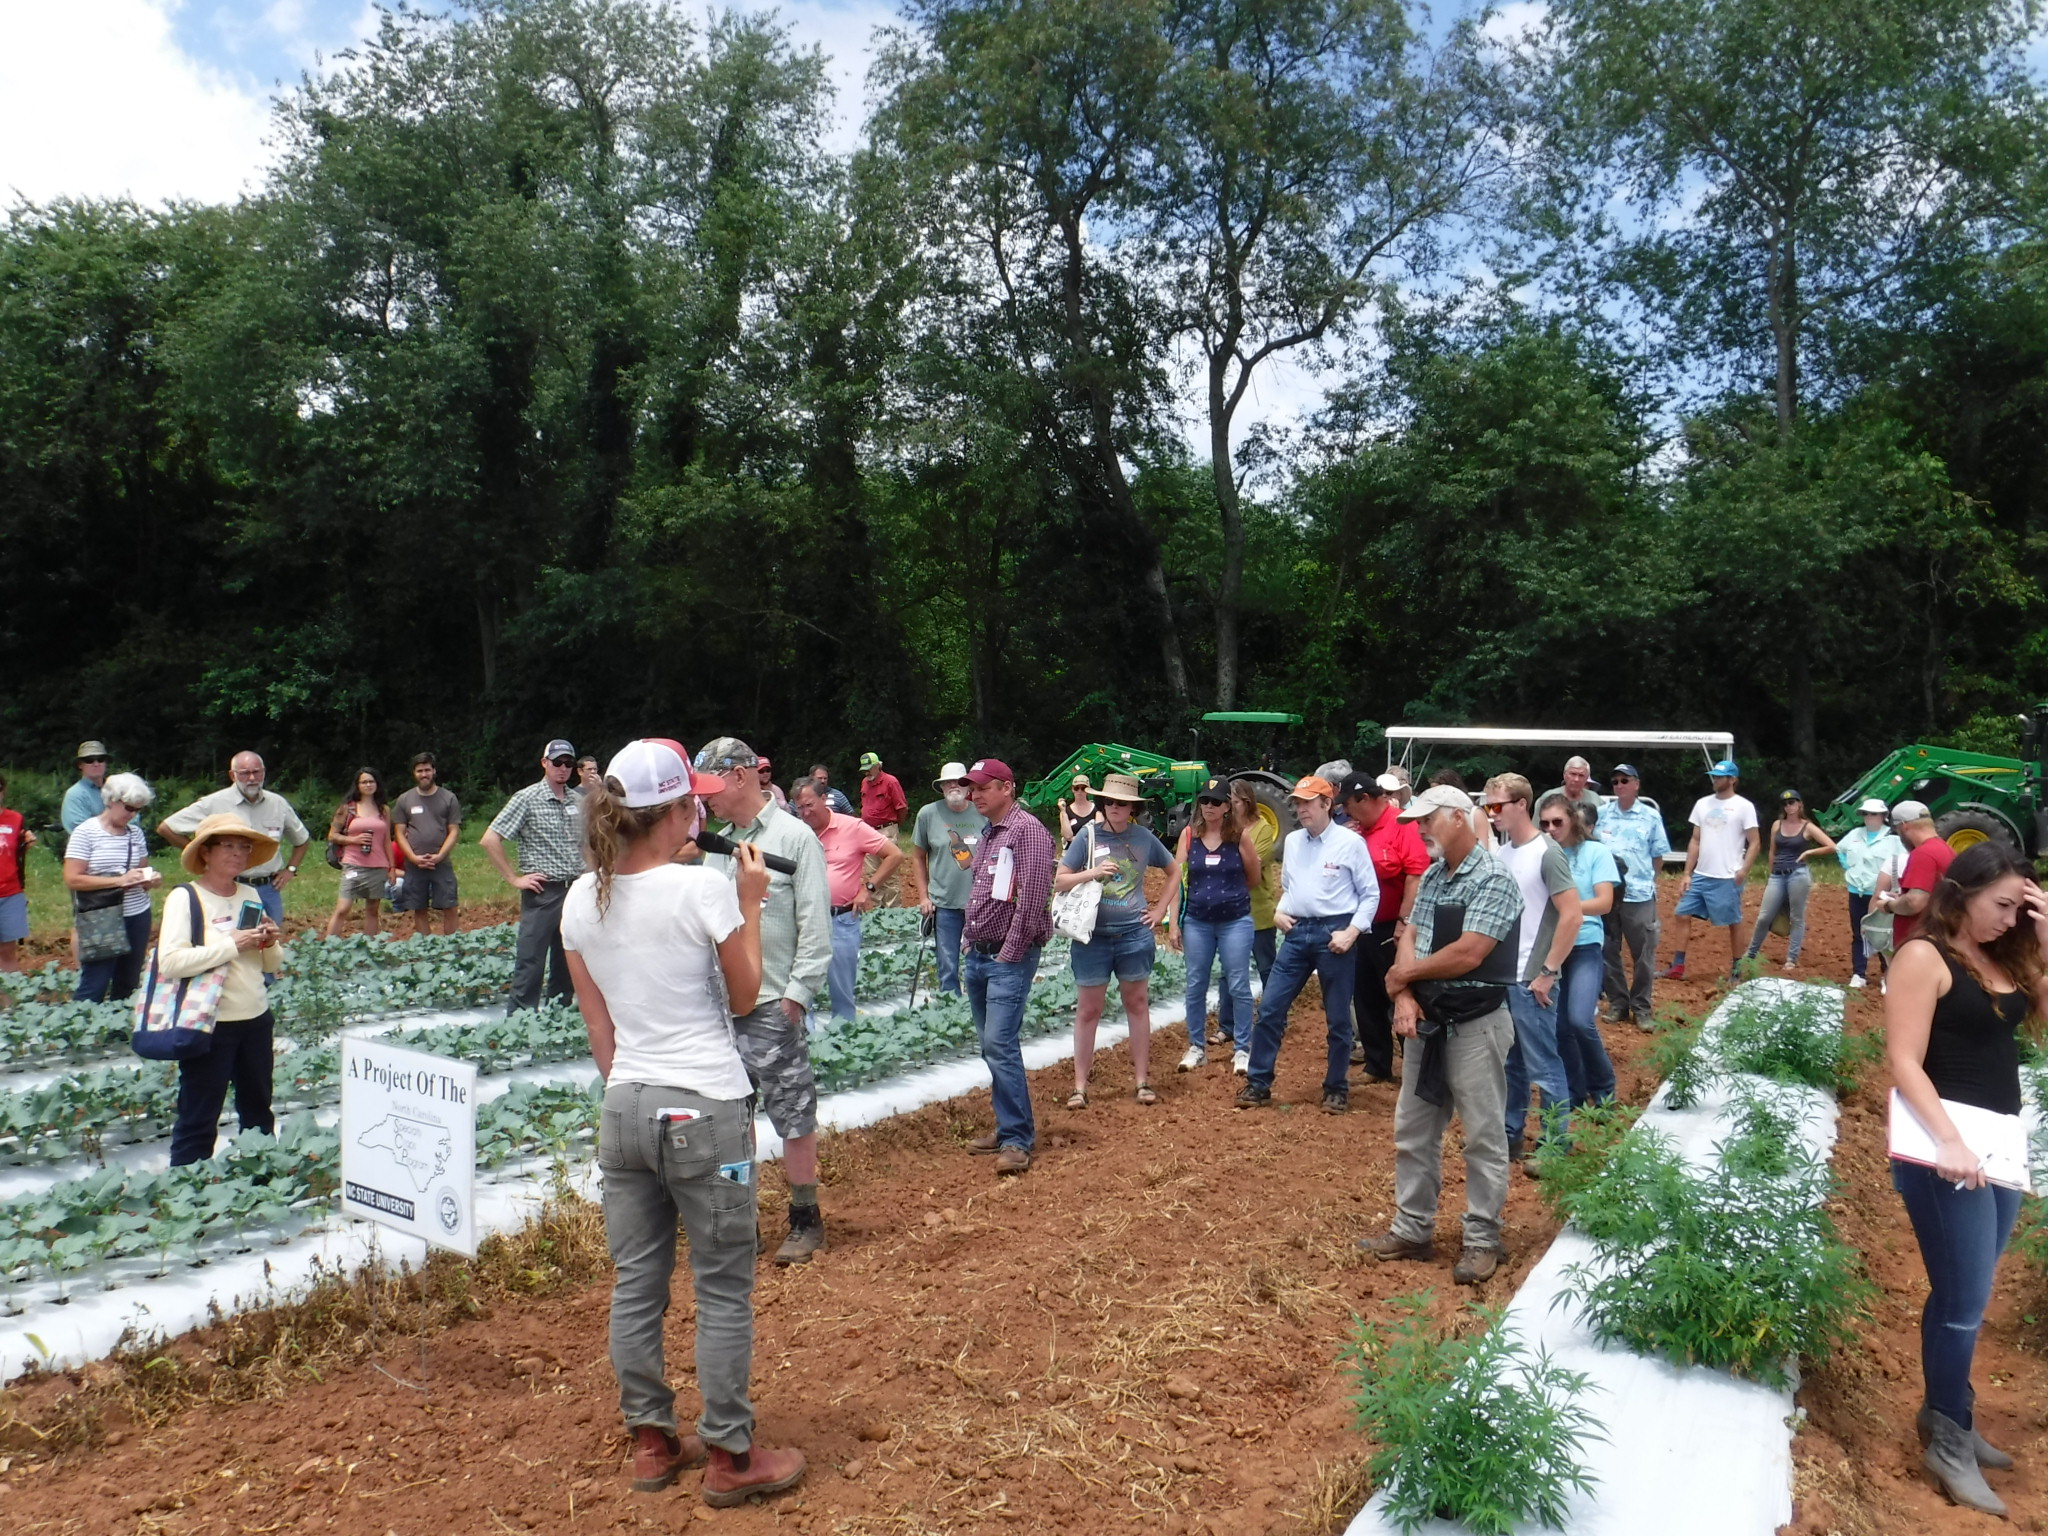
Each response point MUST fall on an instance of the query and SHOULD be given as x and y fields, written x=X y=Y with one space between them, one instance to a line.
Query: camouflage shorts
x=778 y=1058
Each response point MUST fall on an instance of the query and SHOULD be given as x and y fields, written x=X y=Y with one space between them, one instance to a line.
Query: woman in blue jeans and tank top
x=1222 y=867
x=1794 y=840
x=1958 y=994
x=1587 y=1070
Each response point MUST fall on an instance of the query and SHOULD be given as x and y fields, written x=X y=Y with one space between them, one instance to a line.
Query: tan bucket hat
x=262 y=846
x=1120 y=786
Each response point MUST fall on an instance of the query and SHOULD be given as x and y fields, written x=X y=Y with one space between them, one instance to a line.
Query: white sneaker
x=1858 y=983
x=1882 y=988
x=1194 y=1058
x=1241 y=1063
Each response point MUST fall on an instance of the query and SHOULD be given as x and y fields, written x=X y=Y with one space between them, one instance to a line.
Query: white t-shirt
x=1539 y=916
x=654 y=956
x=1724 y=825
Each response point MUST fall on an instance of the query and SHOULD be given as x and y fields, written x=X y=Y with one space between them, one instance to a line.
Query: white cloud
x=1515 y=23
x=98 y=100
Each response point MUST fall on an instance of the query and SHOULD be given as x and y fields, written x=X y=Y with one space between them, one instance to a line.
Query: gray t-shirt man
x=948 y=838
x=426 y=818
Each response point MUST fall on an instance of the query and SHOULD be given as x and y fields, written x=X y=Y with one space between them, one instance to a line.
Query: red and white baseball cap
x=656 y=771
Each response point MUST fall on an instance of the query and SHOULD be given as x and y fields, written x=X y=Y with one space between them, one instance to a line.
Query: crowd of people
x=706 y=922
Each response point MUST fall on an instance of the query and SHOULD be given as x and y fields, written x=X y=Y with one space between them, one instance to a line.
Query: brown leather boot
x=733 y=1478
x=659 y=1458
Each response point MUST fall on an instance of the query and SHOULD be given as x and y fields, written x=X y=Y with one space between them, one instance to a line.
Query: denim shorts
x=1127 y=951
x=1717 y=900
x=13 y=917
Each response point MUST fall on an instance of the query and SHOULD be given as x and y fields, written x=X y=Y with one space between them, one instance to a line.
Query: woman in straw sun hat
x=222 y=846
x=1117 y=852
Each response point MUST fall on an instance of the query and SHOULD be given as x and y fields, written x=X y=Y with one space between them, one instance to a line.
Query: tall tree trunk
x=1230 y=583
x=1805 y=740
x=487 y=637
x=1784 y=291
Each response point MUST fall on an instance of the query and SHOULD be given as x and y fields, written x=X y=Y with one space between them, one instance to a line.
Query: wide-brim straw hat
x=1120 y=786
x=262 y=846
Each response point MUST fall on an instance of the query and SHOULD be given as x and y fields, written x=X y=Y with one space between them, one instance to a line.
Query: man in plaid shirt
x=1009 y=918
x=1457 y=955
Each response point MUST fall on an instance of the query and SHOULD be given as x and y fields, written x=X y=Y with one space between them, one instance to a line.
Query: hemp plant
x=1474 y=1427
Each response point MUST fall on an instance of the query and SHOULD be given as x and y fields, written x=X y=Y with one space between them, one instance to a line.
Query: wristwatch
x=1552 y=971
x=870 y=885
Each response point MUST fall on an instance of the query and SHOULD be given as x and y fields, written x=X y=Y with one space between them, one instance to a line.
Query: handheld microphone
x=711 y=842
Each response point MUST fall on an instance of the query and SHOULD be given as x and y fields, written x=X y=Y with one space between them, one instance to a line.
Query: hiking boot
x=1673 y=972
x=1252 y=1096
x=659 y=1458
x=1013 y=1160
x=734 y=1478
x=1516 y=1148
x=1476 y=1265
x=806 y=1235
x=1952 y=1458
x=1241 y=1062
x=1195 y=1057
x=982 y=1144
x=1336 y=1103
x=1389 y=1246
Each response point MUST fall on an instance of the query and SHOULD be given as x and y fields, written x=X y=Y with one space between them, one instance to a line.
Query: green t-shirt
x=948 y=837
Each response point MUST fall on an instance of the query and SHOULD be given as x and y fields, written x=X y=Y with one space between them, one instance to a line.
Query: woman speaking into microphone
x=662 y=955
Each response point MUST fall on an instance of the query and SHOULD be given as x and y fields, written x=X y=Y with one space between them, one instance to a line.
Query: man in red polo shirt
x=882 y=807
x=1925 y=865
x=848 y=841
x=1398 y=859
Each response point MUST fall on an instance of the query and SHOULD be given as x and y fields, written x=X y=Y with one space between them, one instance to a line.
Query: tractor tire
x=1965 y=829
x=1274 y=802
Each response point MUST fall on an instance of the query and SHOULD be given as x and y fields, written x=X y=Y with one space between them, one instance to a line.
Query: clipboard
x=2000 y=1141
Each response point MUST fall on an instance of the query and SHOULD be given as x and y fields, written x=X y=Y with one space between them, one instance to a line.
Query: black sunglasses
x=562 y=762
x=1551 y=821
x=92 y=759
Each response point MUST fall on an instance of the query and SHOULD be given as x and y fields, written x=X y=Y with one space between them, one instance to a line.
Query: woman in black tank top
x=1957 y=997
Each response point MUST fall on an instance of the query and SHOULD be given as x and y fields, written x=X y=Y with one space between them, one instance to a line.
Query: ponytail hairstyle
x=611 y=827
x=2017 y=951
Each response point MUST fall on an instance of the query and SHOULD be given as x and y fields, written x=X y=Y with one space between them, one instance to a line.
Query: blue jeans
x=951 y=923
x=1306 y=950
x=1586 y=1067
x=1781 y=891
x=844 y=971
x=1535 y=1057
x=1859 y=957
x=115 y=980
x=1204 y=942
x=1265 y=949
x=273 y=903
x=996 y=993
x=1962 y=1232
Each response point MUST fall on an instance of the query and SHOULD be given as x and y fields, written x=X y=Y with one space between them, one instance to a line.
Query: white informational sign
x=408 y=1141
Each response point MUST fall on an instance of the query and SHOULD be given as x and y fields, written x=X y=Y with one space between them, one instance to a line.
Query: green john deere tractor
x=1973 y=795
x=1170 y=783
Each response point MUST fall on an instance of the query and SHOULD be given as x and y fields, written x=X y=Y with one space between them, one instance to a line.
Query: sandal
x=1078 y=1099
x=1146 y=1095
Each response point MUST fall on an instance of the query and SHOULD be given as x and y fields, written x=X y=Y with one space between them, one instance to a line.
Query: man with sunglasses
x=1634 y=830
x=544 y=820
x=82 y=800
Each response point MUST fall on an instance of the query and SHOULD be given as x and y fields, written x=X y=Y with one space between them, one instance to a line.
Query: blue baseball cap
x=1625 y=771
x=1724 y=769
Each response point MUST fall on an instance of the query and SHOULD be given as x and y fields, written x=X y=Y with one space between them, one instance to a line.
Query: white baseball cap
x=1438 y=797
x=1873 y=807
x=951 y=773
x=656 y=771
x=1390 y=782
x=1909 y=810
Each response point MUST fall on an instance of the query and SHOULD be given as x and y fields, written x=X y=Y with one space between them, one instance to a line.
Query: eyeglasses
x=1551 y=823
x=92 y=759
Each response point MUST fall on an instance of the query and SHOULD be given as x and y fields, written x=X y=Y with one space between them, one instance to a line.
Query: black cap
x=1788 y=795
x=1215 y=789
x=1355 y=785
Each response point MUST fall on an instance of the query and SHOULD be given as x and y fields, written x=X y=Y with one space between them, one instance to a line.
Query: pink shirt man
x=848 y=841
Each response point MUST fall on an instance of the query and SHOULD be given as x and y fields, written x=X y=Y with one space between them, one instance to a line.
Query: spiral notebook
x=2000 y=1141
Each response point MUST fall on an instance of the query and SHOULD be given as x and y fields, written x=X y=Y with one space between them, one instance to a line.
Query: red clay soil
x=1139 y=1334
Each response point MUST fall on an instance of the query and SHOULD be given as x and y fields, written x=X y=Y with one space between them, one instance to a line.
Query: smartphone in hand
x=251 y=915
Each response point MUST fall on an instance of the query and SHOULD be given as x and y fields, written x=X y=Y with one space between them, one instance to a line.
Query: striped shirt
x=104 y=852
x=548 y=829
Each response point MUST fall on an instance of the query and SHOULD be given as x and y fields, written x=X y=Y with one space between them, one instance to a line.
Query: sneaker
x=1358 y=1053
x=1336 y=1103
x=1241 y=1062
x=983 y=1144
x=1673 y=972
x=1857 y=983
x=1388 y=1247
x=806 y=1236
x=1476 y=1265
x=659 y=1458
x=733 y=1479
x=1013 y=1160
x=1195 y=1057
x=1252 y=1096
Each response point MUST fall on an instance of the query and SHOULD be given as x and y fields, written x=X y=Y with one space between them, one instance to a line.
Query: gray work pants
x=1632 y=924
x=540 y=948
x=1475 y=1072
x=659 y=1167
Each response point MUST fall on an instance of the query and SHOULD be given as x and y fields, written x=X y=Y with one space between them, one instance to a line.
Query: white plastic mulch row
x=92 y=1322
x=1689 y=1451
